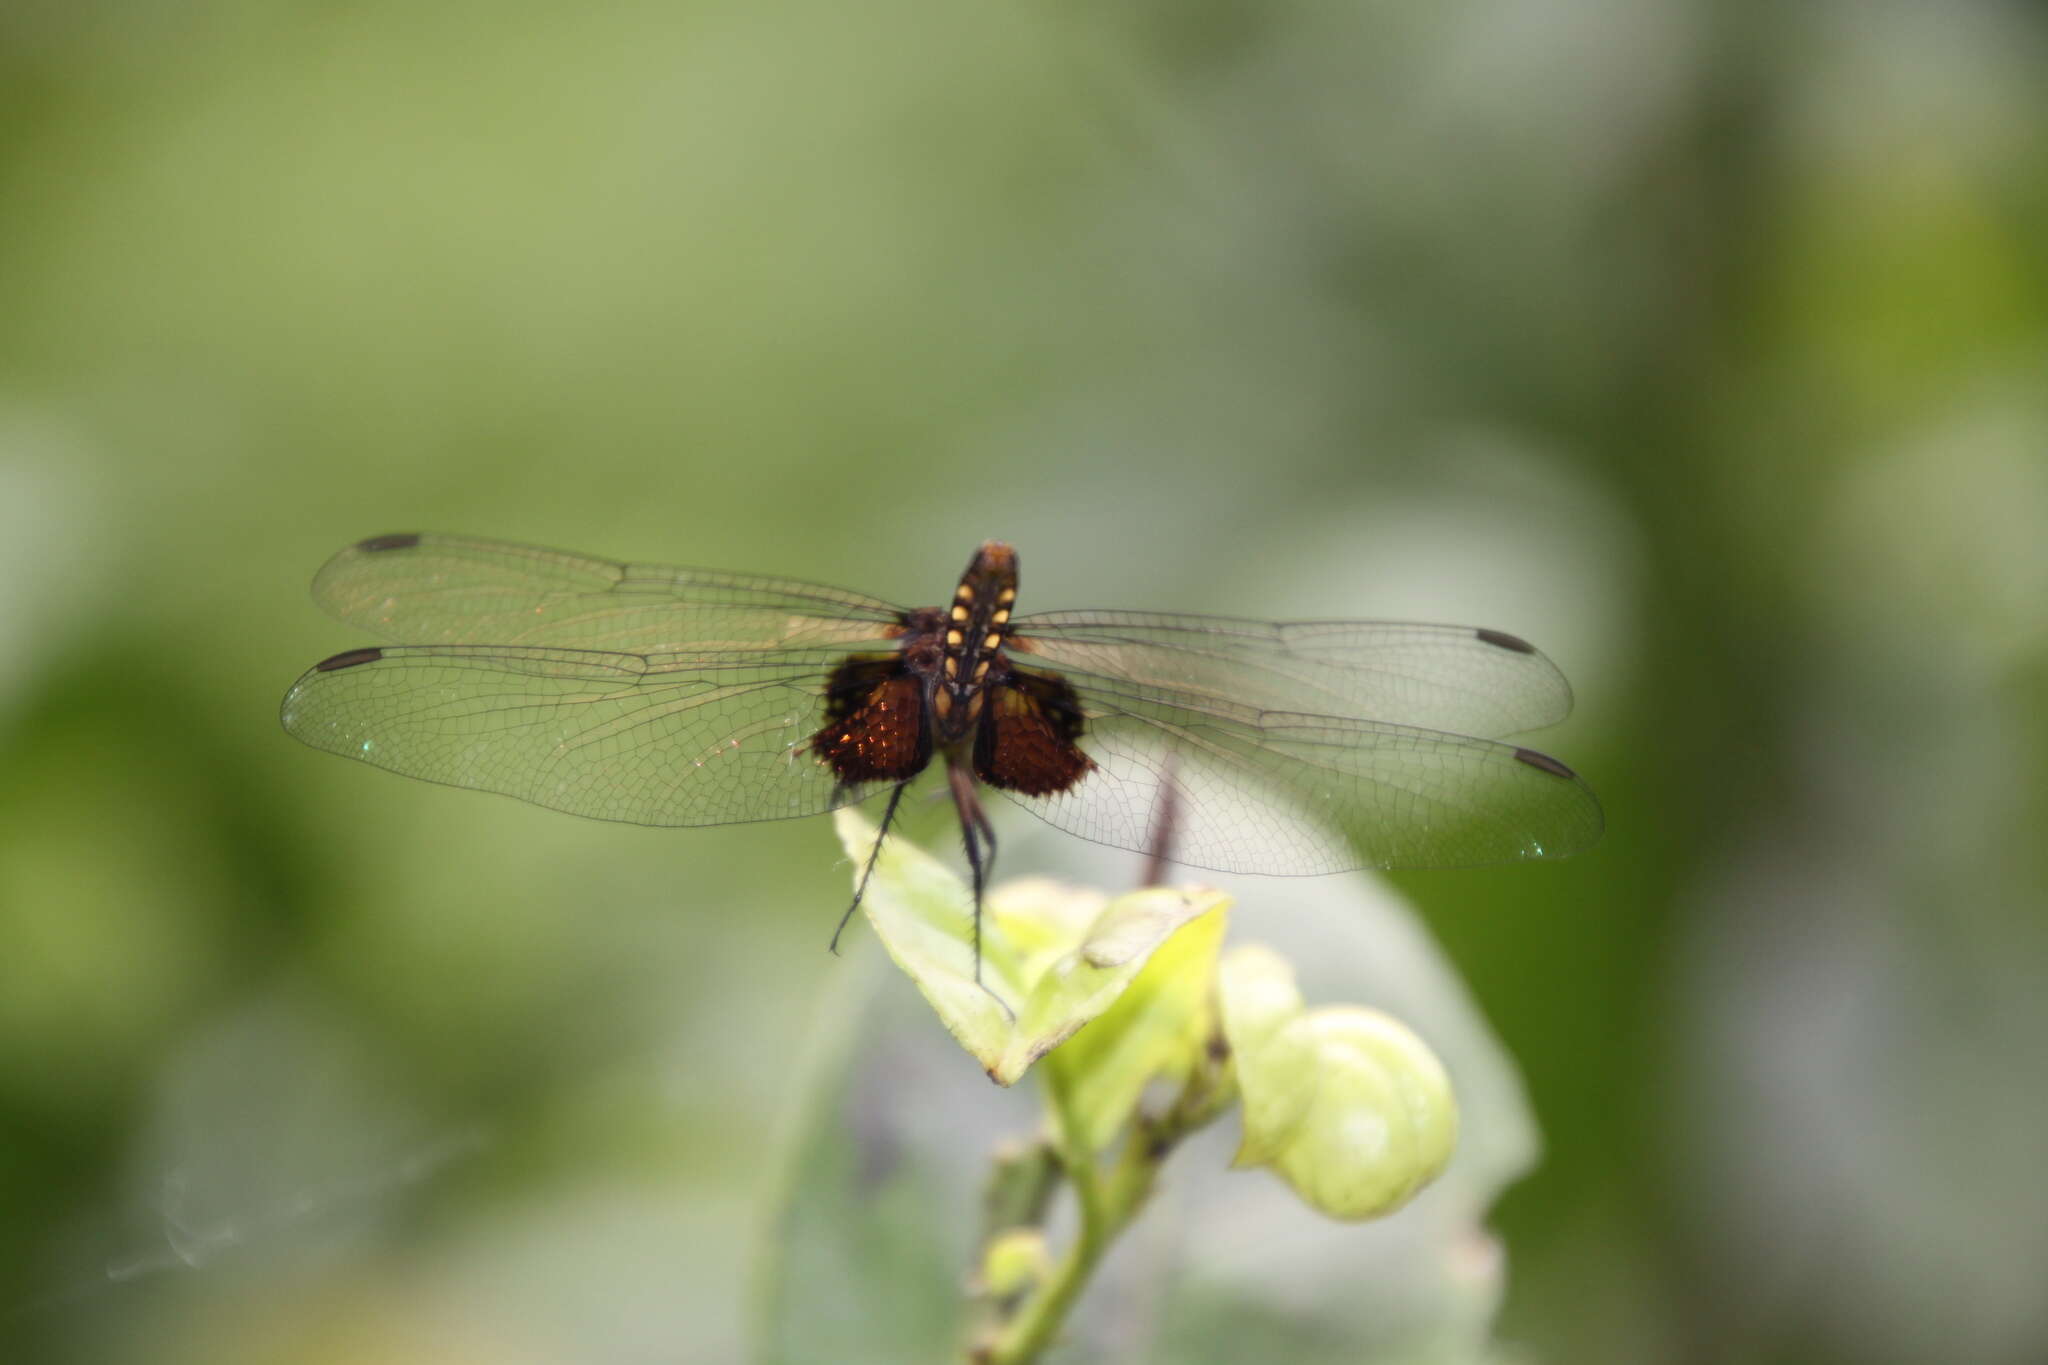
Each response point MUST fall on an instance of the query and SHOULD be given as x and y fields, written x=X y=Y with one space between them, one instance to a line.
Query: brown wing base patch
x=1026 y=740
x=874 y=729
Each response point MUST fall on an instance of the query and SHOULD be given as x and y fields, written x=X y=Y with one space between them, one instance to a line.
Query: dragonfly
x=661 y=695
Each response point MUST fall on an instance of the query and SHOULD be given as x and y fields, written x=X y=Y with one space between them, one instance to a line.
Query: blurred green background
x=1705 y=344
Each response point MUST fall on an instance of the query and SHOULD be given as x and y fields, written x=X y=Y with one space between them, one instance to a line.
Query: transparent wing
x=1245 y=790
x=660 y=739
x=435 y=589
x=1455 y=679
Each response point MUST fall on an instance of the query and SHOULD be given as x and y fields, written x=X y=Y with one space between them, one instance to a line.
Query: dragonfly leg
x=895 y=796
x=979 y=834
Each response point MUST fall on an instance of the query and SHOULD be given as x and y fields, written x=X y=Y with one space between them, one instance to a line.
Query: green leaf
x=1383 y=1121
x=1262 y=1017
x=1346 y=1104
x=1158 y=1028
x=1052 y=958
x=1257 y=994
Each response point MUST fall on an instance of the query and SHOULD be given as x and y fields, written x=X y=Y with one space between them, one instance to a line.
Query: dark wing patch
x=875 y=727
x=1026 y=741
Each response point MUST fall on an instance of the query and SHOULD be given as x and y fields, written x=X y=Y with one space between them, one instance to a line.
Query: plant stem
x=1105 y=1207
x=1108 y=1200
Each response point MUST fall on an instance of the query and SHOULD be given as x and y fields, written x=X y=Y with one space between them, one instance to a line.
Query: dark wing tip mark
x=402 y=541
x=349 y=659
x=1505 y=640
x=1545 y=762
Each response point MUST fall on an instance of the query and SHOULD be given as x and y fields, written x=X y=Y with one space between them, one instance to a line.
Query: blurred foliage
x=897 y=1144
x=1700 y=341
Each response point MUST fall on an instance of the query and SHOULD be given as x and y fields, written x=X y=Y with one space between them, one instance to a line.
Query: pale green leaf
x=1383 y=1121
x=1158 y=1028
x=1346 y=1104
x=1052 y=959
x=1013 y=1262
x=1261 y=1013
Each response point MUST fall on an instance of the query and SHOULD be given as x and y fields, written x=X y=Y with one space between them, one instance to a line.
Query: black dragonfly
x=659 y=695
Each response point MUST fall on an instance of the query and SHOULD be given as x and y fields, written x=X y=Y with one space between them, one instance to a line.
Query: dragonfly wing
x=662 y=739
x=1456 y=679
x=437 y=589
x=1286 y=793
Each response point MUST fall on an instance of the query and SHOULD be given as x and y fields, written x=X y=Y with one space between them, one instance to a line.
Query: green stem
x=1109 y=1200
